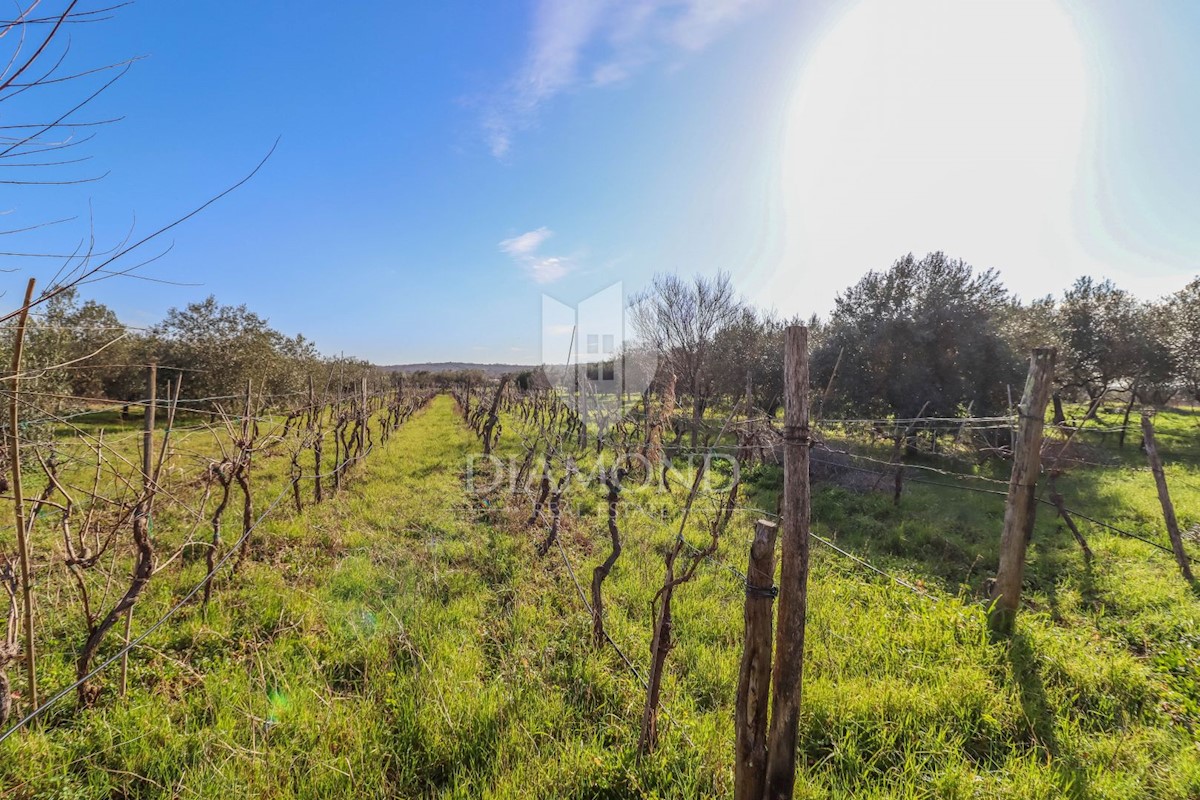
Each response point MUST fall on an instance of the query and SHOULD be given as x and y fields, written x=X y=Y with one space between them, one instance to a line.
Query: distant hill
x=452 y=366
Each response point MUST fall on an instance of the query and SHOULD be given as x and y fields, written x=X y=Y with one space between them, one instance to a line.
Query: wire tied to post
x=769 y=592
x=799 y=434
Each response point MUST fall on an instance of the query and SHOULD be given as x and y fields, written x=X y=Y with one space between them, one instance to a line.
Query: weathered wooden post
x=754 y=679
x=793 y=580
x=1164 y=497
x=1021 y=503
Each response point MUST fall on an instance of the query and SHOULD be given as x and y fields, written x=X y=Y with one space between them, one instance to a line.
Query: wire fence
x=231 y=551
x=823 y=454
x=342 y=463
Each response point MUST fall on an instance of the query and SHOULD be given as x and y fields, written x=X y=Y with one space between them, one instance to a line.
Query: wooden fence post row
x=775 y=779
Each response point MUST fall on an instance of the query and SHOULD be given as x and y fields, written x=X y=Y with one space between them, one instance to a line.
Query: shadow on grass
x=1026 y=673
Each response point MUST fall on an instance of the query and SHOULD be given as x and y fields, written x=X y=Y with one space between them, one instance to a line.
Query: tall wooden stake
x=1021 y=503
x=793 y=579
x=754 y=679
x=14 y=455
x=1164 y=497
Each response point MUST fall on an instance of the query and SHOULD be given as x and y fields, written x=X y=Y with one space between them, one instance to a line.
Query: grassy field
x=404 y=640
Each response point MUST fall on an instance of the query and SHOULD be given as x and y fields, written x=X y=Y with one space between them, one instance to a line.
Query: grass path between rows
x=384 y=644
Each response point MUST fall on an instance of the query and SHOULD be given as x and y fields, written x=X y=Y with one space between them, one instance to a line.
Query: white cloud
x=575 y=43
x=547 y=269
x=542 y=268
x=526 y=243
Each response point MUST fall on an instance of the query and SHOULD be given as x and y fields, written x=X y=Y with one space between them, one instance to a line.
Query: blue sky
x=442 y=165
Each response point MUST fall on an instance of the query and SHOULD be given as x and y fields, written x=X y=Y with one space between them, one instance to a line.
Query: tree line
x=79 y=350
x=932 y=335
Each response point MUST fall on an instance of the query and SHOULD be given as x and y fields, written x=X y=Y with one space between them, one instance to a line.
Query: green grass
x=404 y=641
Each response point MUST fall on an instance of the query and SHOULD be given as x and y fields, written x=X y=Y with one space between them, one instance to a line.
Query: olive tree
x=920 y=332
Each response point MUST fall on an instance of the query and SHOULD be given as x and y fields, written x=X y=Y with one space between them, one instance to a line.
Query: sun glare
x=933 y=124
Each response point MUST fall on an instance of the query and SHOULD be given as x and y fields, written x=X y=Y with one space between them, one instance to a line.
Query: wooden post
x=793 y=580
x=754 y=679
x=14 y=455
x=1164 y=497
x=1021 y=503
x=898 y=478
x=143 y=508
x=242 y=473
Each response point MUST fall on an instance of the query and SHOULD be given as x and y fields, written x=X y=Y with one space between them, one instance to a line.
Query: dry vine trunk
x=662 y=642
x=242 y=475
x=555 y=513
x=493 y=417
x=142 y=570
x=660 y=648
x=317 y=442
x=9 y=649
x=143 y=548
x=543 y=492
x=613 y=482
x=143 y=509
x=223 y=473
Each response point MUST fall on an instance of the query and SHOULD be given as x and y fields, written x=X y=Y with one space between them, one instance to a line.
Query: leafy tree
x=1181 y=314
x=1100 y=325
x=747 y=356
x=923 y=331
x=1152 y=374
x=1028 y=325
x=74 y=349
x=220 y=347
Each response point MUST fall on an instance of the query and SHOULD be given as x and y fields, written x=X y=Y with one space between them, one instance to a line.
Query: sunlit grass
x=404 y=641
